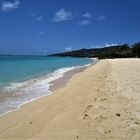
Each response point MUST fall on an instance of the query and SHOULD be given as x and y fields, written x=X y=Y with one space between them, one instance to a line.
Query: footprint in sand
x=85 y=113
x=132 y=132
x=98 y=90
x=136 y=122
x=90 y=106
x=77 y=137
x=107 y=132
x=30 y=122
x=85 y=116
x=95 y=99
x=100 y=118
x=103 y=99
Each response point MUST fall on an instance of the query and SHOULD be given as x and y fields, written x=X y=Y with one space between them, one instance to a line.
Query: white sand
x=103 y=102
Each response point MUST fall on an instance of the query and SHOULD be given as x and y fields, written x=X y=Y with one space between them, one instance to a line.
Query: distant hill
x=119 y=51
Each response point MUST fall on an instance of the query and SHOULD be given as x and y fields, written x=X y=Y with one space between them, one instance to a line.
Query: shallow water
x=26 y=78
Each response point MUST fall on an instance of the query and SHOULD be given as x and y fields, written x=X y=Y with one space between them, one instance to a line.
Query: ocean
x=27 y=78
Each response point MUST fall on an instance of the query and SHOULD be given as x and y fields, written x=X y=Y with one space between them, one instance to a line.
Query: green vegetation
x=118 y=51
x=136 y=49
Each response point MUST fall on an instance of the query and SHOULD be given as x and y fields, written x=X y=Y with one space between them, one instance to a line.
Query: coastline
x=62 y=81
x=56 y=80
x=94 y=103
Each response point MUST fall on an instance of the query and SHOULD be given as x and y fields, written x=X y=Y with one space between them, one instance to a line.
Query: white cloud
x=34 y=14
x=102 y=17
x=102 y=46
x=85 y=22
x=62 y=15
x=68 y=49
x=37 y=16
x=94 y=47
x=42 y=51
x=42 y=33
x=8 y=5
x=112 y=44
x=87 y=15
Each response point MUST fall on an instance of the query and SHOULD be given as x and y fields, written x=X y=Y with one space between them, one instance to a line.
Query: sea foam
x=27 y=91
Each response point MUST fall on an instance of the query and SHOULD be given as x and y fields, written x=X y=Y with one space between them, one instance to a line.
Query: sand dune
x=102 y=102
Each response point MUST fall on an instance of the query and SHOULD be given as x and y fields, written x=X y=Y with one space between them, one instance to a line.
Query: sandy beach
x=101 y=102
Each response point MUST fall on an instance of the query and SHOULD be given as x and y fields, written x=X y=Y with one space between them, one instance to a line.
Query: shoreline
x=62 y=81
x=100 y=102
x=54 y=85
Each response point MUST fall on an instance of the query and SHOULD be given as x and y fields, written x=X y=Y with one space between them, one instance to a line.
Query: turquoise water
x=20 y=68
x=25 y=78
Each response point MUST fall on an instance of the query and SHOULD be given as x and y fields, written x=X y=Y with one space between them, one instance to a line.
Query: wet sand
x=101 y=102
x=61 y=82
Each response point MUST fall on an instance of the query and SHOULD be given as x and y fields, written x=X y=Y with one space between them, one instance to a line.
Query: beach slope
x=102 y=102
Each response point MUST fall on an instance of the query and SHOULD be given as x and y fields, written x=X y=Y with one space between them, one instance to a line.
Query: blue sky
x=48 y=26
